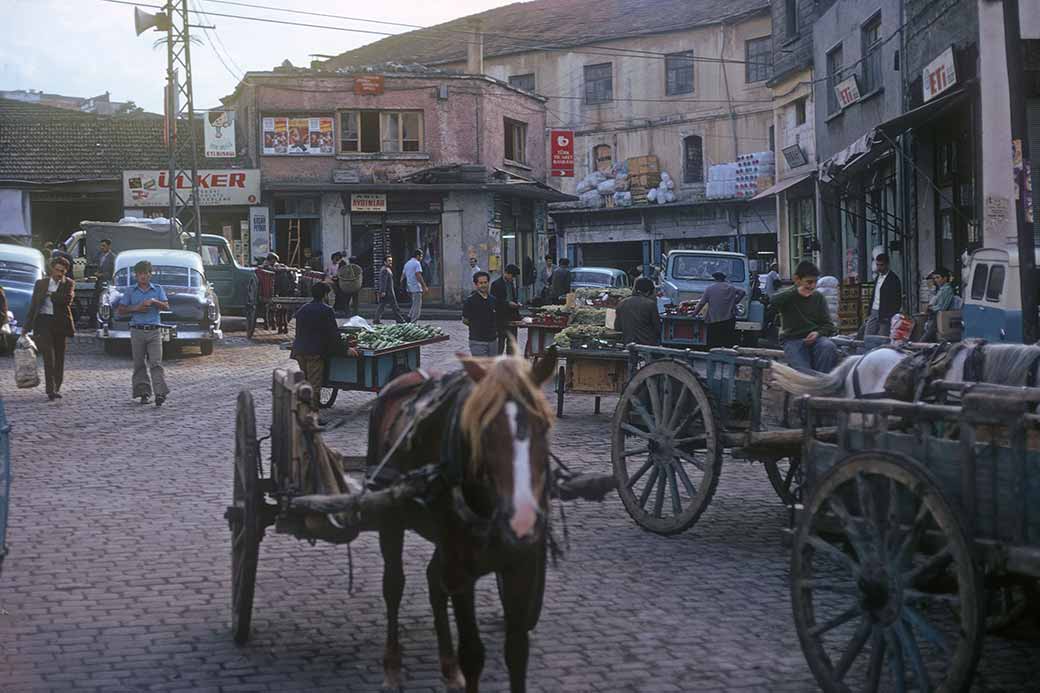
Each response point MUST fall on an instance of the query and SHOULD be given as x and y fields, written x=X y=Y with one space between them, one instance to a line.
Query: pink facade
x=467 y=126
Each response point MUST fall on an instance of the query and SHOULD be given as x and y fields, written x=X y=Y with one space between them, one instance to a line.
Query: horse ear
x=475 y=370
x=545 y=366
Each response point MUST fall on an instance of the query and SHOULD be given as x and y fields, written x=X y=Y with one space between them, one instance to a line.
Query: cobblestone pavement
x=118 y=577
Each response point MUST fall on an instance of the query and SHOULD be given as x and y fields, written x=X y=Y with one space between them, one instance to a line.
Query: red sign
x=562 y=153
x=368 y=85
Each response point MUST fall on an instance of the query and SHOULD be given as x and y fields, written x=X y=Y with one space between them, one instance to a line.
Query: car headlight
x=741 y=309
x=211 y=311
x=104 y=311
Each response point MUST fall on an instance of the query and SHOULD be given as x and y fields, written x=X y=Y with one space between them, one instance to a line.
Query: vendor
x=722 y=299
x=942 y=300
x=317 y=337
x=637 y=316
x=507 y=308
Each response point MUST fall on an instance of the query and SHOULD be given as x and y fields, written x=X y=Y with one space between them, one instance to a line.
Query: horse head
x=505 y=422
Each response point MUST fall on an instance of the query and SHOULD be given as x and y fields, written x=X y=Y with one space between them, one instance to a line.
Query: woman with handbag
x=50 y=321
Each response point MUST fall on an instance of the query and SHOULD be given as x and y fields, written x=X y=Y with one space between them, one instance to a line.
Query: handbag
x=26 y=373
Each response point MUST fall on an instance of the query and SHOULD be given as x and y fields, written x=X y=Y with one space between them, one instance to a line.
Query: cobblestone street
x=118 y=574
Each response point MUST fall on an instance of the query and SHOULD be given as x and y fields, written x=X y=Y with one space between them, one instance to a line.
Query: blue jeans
x=821 y=356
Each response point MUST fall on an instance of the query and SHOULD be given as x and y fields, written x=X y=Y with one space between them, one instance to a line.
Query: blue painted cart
x=919 y=528
x=682 y=331
x=371 y=369
x=5 y=479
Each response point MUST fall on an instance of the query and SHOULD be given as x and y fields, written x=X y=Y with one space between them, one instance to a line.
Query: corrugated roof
x=44 y=144
x=529 y=26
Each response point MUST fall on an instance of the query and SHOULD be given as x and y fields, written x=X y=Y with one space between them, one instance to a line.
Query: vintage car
x=598 y=278
x=20 y=267
x=687 y=273
x=194 y=314
x=235 y=285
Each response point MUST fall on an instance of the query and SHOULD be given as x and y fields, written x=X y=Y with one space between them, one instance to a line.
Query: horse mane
x=1008 y=364
x=506 y=378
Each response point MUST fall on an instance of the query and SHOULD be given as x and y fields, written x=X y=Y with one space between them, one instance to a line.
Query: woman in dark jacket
x=50 y=321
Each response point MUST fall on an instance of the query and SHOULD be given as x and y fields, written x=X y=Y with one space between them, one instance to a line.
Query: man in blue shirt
x=142 y=303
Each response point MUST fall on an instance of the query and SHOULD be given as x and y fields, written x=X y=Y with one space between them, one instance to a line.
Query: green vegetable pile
x=590 y=316
x=588 y=337
x=554 y=310
x=391 y=336
x=588 y=295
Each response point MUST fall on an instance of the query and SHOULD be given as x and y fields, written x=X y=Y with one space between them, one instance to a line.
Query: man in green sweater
x=806 y=323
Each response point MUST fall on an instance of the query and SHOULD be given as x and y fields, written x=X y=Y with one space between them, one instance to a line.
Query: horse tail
x=799 y=383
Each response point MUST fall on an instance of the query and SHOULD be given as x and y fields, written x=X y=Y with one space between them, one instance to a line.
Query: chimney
x=475 y=50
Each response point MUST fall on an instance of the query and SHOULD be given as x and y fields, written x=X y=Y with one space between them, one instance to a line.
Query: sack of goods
x=26 y=374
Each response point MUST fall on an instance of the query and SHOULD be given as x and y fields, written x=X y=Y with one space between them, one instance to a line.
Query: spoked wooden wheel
x=786 y=477
x=884 y=590
x=244 y=519
x=327 y=397
x=665 y=448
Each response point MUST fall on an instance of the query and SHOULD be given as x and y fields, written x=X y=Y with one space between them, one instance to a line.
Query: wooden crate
x=850 y=292
x=643 y=181
x=643 y=164
x=596 y=375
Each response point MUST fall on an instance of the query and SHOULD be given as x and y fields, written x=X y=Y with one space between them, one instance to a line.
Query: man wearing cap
x=142 y=302
x=637 y=318
x=942 y=300
x=721 y=298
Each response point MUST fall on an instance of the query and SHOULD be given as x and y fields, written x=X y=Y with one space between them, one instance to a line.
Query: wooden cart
x=919 y=527
x=682 y=331
x=371 y=369
x=540 y=336
x=597 y=372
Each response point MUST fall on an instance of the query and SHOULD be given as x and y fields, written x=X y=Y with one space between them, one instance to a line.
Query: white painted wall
x=997 y=174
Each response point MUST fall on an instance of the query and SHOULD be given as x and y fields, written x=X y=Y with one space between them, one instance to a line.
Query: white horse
x=1002 y=364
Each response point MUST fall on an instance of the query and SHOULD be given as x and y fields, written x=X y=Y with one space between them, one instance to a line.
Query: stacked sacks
x=829 y=287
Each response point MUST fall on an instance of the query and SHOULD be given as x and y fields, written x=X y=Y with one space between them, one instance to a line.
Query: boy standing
x=143 y=302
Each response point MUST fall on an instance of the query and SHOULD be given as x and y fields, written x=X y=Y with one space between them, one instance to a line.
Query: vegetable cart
x=383 y=355
x=597 y=372
x=920 y=527
x=682 y=330
x=541 y=333
x=677 y=413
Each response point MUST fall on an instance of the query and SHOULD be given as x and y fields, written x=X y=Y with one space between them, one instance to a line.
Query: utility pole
x=1020 y=137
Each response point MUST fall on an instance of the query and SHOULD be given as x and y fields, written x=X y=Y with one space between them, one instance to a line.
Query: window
x=791 y=17
x=799 y=111
x=516 y=141
x=599 y=83
x=701 y=267
x=835 y=60
x=525 y=82
x=603 y=161
x=678 y=72
x=995 y=286
x=380 y=131
x=978 y=282
x=802 y=228
x=871 y=55
x=18 y=272
x=213 y=255
x=772 y=139
x=758 y=56
x=693 y=159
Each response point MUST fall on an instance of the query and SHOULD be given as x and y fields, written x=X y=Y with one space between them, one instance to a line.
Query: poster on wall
x=219 y=129
x=259 y=232
x=298 y=136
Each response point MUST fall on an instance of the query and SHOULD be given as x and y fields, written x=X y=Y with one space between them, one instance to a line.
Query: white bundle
x=652 y=195
x=25 y=369
x=591 y=199
x=827 y=282
x=607 y=187
x=623 y=199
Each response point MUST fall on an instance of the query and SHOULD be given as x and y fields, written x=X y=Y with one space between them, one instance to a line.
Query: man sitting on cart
x=806 y=323
x=317 y=337
x=637 y=317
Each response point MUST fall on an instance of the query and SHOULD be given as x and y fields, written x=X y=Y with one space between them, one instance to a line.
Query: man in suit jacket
x=317 y=337
x=888 y=298
x=507 y=308
x=50 y=321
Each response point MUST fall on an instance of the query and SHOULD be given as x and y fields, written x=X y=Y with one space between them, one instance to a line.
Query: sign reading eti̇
x=939 y=75
x=214 y=187
x=562 y=153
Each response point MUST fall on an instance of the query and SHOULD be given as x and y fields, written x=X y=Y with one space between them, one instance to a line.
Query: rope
x=350 y=571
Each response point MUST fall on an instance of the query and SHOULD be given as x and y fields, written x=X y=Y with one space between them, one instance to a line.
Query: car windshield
x=163 y=275
x=18 y=272
x=594 y=278
x=701 y=267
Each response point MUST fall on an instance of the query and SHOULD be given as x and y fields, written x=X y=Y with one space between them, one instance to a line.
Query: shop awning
x=783 y=185
x=525 y=190
x=922 y=114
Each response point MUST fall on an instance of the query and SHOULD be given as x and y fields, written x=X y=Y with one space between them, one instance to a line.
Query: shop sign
x=847 y=91
x=794 y=156
x=214 y=187
x=562 y=153
x=345 y=175
x=298 y=136
x=259 y=232
x=368 y=86
x=939 y=75
x=368 y=202
x=219 y=127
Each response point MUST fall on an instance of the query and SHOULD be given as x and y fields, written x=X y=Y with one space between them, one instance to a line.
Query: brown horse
x=486 y=428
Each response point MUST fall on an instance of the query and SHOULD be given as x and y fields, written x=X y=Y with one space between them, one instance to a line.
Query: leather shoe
x=145 y=399
x=159 y=399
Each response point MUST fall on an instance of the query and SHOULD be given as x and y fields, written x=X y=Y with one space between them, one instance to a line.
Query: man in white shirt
x=473 y=266
x=415 y=283
x=888 y=299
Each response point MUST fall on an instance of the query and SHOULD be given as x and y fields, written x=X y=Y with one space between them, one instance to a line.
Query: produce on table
x=554 y=316
x=604 y=297
x=391 y=336
x=590 y=316
x=588 y=337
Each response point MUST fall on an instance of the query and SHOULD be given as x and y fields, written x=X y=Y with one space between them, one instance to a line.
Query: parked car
x=235 y=285
x=688 y=272
x=598 y=278
x=992 y=308
x=194 y=314
x=20 y=267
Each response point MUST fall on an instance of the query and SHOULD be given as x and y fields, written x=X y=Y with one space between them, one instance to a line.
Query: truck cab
x=992 y=296
x=687 y=273
x=235 y=285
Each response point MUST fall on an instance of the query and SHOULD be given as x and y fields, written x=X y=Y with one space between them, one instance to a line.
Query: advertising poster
x=220 y=134
x=215 y=187
x=259 y=233
x=299 y=135
x=276 y=136
x=562 y=153
x=320 y=136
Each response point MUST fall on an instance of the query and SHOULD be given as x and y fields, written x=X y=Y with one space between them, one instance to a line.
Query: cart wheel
x=882 y=580
x=327 y=397
x=786 y=477
x=244 y=519
x=534 y=611
x=664 y=443
x=561 y=385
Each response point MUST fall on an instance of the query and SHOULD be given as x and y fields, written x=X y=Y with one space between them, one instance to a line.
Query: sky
x=87 y=47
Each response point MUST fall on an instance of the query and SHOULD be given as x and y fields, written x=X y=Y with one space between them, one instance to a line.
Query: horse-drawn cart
x=597 y=372
x=920 y=527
